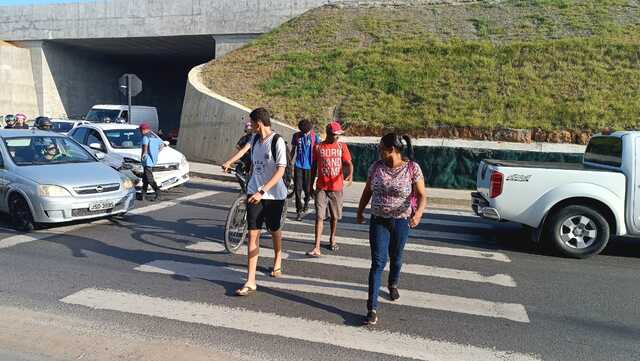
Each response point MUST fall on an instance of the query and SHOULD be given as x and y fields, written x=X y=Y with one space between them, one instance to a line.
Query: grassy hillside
x=549 y=64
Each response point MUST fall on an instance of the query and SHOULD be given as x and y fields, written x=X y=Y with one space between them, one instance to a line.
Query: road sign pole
x=129 y=96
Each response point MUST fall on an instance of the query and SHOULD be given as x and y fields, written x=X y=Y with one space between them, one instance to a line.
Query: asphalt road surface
x=158 y=285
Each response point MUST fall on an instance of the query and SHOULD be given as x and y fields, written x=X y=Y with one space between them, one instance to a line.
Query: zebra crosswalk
x=296 y=281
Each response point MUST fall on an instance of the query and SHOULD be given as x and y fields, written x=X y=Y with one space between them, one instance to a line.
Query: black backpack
x=288 y=172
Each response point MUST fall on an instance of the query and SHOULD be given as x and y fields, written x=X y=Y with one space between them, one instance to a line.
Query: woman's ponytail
x=408 y=147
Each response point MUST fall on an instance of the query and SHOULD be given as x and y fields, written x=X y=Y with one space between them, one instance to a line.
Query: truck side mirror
x=96 y=146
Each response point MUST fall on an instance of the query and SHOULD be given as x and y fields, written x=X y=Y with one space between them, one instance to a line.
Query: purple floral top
x=392 y=189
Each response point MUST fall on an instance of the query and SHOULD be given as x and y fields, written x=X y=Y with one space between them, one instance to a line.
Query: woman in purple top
x=396 y=189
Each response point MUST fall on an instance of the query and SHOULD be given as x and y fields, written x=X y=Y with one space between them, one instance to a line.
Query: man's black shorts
x=267 y=211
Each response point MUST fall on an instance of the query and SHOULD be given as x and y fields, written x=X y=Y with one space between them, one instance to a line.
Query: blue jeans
x=387 y=237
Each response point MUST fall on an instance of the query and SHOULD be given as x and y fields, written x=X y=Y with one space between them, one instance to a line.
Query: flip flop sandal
x=246 y=291
x=313 y=254
x=334 y=247
x=276 y=272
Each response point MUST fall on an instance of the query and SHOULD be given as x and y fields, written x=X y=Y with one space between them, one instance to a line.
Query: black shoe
x=299 y=216
x=305 y=209
x=393 y=293
x=139 y=196
x=371 y=319
x=157 y=197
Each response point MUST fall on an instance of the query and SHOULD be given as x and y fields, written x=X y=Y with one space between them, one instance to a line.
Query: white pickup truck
x=575 y=207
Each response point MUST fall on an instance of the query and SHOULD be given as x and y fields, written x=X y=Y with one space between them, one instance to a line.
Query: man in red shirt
x=329 y=158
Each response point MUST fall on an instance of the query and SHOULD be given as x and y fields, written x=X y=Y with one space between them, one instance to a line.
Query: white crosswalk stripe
x=353 y=262
x=409 y=246
x=296 y=280
x=418 y=233
x=509 y=311
x=357 y=338
x=427 y=220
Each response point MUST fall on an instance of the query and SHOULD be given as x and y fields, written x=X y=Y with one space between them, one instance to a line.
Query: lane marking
x=357 y=338
x=361 y=263
x=166 y=204
x=478 y=307
x=18 y=239
x=416 y=233
x=414 y=247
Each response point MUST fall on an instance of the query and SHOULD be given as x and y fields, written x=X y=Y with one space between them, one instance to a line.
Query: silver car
x=49 y=178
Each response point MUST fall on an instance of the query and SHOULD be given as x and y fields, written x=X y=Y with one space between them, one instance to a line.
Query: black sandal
x=334 y=247
x=246 y=290
x=276 y=272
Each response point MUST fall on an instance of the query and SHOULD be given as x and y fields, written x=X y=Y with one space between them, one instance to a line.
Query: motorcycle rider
x=44 y=123
x=21 y=122
x=9 y=121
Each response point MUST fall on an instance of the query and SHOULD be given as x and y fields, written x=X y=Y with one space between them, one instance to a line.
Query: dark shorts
x=267 y=211
x=331 y=201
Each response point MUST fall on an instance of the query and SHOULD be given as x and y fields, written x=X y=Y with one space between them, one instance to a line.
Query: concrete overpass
x=67 y=57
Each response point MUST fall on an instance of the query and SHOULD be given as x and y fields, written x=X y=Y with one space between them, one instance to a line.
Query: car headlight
x=127 y=183
x=183 y=162
x=48 y=190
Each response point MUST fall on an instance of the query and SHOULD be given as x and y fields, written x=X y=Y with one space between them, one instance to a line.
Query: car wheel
x=578 y=231
x=20 y=214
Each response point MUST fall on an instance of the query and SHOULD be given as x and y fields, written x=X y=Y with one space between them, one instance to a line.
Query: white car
x=575 y=207
x=64 y=126
x=126 y=140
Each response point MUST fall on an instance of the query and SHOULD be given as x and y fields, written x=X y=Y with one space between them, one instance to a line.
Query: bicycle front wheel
x=235 y=230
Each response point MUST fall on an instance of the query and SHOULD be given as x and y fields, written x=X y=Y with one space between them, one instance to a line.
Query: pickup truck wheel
x=578 y=231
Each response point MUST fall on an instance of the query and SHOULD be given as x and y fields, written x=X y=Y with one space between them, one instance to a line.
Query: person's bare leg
x=277 y=249
x=319 y=228
x=334 y=228
x=252 y=257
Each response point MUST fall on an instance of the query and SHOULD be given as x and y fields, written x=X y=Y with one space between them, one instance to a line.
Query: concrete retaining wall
x=17 y=87
x=211 y=124
x=455 y=166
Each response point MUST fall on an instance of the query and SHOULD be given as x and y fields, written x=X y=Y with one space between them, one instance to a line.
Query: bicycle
x=235 y=229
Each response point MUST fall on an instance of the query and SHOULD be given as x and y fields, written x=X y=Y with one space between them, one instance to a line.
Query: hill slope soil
x=553 y=70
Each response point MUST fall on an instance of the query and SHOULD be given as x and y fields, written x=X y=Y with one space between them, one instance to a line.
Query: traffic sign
x=130 y=82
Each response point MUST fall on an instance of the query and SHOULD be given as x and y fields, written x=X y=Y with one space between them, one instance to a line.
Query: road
x=157 y=285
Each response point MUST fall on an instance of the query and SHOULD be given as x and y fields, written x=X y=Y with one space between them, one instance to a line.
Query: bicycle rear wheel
x=235 y=230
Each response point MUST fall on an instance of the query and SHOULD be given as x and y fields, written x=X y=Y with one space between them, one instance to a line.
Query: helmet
x=21 y=116
x=43 y=123
x=9 y=118
x=248 y=127
x=106 y=120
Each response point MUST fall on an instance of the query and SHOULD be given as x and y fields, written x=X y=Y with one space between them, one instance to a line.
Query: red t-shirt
x=330 y=157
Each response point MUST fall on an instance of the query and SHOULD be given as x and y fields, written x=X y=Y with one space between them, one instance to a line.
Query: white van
x=120 y=114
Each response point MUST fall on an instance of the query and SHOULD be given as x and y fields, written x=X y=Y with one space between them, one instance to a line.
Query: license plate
x=99 y=206
x=169 y=181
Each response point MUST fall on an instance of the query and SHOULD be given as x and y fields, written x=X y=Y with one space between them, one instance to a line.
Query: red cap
x=144 y=126
x=334 y=128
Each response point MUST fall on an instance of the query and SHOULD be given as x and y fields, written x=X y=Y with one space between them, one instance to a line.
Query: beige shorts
x=328 y=201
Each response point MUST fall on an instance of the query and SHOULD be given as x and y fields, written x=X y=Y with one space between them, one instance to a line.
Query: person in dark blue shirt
x=302 y=146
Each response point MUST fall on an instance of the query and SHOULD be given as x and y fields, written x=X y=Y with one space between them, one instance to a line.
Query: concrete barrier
x=211 y=124
x=17 y=89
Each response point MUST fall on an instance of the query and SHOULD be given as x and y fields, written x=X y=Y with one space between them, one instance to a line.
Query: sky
x=30 y=2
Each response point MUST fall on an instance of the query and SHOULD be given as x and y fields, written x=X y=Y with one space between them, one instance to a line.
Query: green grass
x=549 y=64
